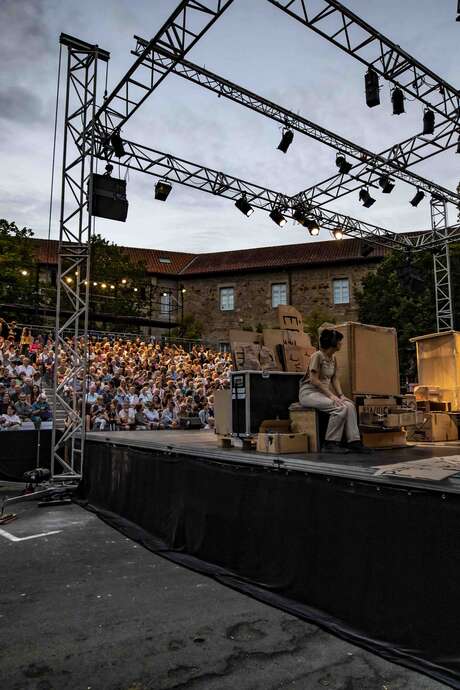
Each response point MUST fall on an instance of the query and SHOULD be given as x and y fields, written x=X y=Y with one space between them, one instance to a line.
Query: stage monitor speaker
x=109 y=198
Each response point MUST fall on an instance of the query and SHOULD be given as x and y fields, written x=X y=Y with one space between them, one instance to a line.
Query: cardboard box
x=385 y=439
x=282 y=443
x=305 y=422
x=368 y=360
x=400 y=419
x=237 y=335
x=439 y=426
x=295 y=359
x=281 y=426
x=438 y=364
x=246 y=356
x=289 y=318
x=276 y=336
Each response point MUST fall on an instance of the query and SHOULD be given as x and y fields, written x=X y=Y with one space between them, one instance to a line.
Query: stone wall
x=307 y=289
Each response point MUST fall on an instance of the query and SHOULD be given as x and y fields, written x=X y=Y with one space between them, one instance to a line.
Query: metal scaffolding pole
x=72 y=300
x=441 y=259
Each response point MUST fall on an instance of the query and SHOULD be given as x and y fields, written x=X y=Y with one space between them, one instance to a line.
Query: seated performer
x=320 y=388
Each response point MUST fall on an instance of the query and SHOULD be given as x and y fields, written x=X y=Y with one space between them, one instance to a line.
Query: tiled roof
x=155 y=260
x=307 y=253
x=259 y=258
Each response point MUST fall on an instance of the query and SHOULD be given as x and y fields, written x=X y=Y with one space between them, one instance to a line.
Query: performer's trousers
x=341 y=417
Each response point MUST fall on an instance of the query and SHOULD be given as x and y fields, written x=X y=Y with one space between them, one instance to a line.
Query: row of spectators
x=130 y=384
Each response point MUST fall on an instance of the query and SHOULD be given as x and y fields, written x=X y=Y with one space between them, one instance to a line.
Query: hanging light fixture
x=312 y=227
x=397 y=98
x=366 y=198
x=338 y=233
x=428 y=121
x=417 y=198
x=243 y=205
x=386 y=184
x=343 y=165
x=277 y=217
x=286 y=140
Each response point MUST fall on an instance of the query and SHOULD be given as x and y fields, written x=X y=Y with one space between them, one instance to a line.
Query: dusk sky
x=255 y=45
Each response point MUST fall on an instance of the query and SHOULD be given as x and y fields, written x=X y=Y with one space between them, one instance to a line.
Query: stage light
x=397 y=98
x=183 y=290
x=417 y=198
x=95 y=284
x=103 y=285
x=371 y=83
x=277 y=217
x=343 y=165
x=123 y=281
x=112 y=287
x=24 y=272
x=386 y=184
x=85 y=282
x=244 y=206
x=164 y=294
x=117 y=144
x=162 y=190
x=312 y=226
x=299 y=215
x=286 y=140
x=428 y=121
x=338 y=233
x=458 y=144
x=68 y=280
x=366 y=198
x=135 y=289
x=458 y=11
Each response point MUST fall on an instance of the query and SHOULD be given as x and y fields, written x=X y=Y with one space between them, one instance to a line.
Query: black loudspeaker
x=108 y=199
x=371 y=82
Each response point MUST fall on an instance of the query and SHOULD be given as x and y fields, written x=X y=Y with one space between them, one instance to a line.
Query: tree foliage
x=16 y=253
x=189 y=329
x=313 y=321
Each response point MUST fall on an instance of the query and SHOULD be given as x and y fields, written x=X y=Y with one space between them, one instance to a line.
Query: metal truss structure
x=89 y=126
x=368 y=173
x=72 y=301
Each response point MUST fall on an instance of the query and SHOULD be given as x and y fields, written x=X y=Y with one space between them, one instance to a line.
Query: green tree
x=400 y=294
x=189 y=328
x=313 y=321
x=17 y=265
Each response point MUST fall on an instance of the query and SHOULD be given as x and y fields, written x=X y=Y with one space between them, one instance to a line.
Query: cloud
x=20 y=105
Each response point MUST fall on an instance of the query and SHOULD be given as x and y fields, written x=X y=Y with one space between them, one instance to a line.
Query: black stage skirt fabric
x=18 y=452
x=379 y=567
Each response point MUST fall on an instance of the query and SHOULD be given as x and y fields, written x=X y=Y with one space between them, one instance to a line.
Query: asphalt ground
x=85 y=608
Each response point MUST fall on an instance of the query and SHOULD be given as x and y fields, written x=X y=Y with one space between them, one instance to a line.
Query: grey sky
x=253 y=44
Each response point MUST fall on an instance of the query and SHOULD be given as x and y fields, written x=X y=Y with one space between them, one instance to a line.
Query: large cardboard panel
x=306 y=422
x=236 y=335
x=246 y=356
x=440 y=426
x=223 y=412
x=289 y=318
x=278 y=336
x=438 y=364
x=295 y=359
x=282 y=443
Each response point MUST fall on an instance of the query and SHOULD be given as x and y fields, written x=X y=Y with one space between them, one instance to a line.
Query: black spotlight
x=366 y=198
x=162 y=190
x=428 y=122
x=458 y=11
x=386 y=184
x=277 y=217
x=417 y=198
x=286 y=140
x=299 y=215
x=244 y=206
x=397 y=98
x=313 y=227
x=371 y=82
x=343 y=165
x=458 y=144
x=117 y=144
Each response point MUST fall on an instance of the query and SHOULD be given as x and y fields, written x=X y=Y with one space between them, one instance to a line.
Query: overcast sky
x=254 y=45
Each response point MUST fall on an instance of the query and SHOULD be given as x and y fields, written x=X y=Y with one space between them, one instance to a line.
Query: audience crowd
x=130 y=384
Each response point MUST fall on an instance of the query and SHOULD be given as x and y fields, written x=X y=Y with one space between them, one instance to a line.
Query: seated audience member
x=112 y=414
x=169 y=416
x=127 y=416
x=41 y=411
x=22 y=407
x=10 y=421
x=140 y=420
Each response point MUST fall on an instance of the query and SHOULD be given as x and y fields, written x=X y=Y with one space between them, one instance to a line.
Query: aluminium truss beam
x=169 y=167
x=72 y=301
x=183 y=29
x=337 y=24
x=159 y=60
x=442 y=273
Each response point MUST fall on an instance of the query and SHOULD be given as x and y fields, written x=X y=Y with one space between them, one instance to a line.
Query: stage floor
x=203 y=444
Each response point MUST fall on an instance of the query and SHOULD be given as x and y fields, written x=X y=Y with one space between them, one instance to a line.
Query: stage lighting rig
x=299 y=215
x=162 y=190
x=244 y=206
x=371 y=82
x=117 y=144
x=277 y=217
x=366 y=198
x=286 y=140
x=337 y=234
x=343 y=165
x=397 y=98
x=428 y=121
x=312 y=226
x=386 y=184
x=417 y=198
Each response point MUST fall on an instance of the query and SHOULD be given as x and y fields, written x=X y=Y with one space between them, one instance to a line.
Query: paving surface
x=85 y=608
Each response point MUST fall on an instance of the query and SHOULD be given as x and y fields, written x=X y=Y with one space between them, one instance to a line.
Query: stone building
x=241 y=288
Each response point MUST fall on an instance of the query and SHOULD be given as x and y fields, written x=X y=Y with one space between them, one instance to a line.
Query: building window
x=341 y=291
x=279 y=294
x=224 y=347
x=165 y=303
x=227 y=298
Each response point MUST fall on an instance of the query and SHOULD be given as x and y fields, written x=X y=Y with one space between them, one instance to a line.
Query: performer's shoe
x=357 y=447
x=334 y=447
